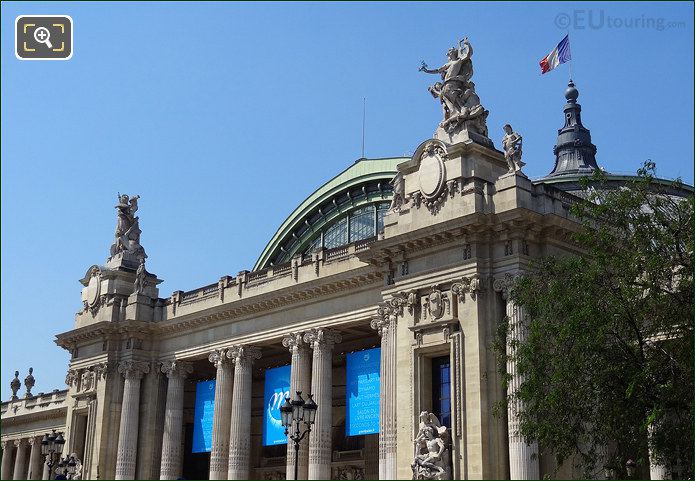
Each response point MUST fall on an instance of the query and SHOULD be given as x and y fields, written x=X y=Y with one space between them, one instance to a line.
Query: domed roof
x=337 y=213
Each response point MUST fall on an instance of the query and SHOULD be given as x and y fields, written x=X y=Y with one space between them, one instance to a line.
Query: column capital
x=218 y=357
x=294 y=340
x=322 y=337
x=18 y=442
x=6 y=444
x=504 y=283
x=241 y=353
x=133 y=369
x=32 y=440
x=386 y=316
x=179 y=369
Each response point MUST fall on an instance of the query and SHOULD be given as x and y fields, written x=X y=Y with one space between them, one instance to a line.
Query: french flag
x=560 y=54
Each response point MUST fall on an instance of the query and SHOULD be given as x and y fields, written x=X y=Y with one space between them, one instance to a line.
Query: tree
x=608 y=355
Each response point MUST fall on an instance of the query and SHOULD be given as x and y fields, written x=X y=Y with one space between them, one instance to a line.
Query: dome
x=348 y=208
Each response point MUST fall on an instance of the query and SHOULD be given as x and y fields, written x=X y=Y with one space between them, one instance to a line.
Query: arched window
x=362 y=223
x=336 y=235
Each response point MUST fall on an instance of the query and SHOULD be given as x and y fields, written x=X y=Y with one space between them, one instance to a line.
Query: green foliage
x=609 y=347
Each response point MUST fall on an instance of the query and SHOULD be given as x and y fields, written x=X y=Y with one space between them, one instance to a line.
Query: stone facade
x=427 y=282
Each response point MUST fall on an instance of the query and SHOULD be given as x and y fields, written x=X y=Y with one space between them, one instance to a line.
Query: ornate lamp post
x=293 y=414
x=51 y=445
x=67 y=466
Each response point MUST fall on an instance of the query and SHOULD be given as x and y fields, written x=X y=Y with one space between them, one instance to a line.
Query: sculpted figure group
x=127 y=237
x=431 y=460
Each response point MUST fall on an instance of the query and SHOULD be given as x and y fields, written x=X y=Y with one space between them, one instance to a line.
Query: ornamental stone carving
x=217 y=357
x=471 y=285
x=293 y=341
x=504 y=284
x=399 y=197
x=436 y=304
x=71 y=378
x=140 y=276
x=242 y=354
x=87 y=380
x=133 y=369
x=15 y=384
x=29 y=382
x=348 y=472
x=387 y=312
x=177 y=368
x=92 y=299
x=433 y=185
x=321 y=336
x=431 y=457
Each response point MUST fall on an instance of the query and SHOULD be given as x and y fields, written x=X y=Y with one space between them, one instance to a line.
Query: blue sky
x=225 y=116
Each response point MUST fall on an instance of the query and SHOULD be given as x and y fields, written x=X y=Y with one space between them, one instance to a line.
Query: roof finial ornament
x=574 y=152
x=15 y=384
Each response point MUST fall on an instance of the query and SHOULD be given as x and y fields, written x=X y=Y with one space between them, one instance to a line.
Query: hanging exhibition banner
x=202 y=418
x=277 y=387
x=362 y=392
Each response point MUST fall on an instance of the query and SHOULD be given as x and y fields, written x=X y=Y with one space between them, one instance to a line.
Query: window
x=336 y=235
x=441 y=390
x=380 y=211
x=362 y=223
x=314 y=246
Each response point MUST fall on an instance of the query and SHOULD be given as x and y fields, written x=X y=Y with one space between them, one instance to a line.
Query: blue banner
x=363 y=389
x=202 y=418
x=277 y=387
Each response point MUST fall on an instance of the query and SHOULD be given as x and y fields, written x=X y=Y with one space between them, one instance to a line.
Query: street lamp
x=293 y=414
x=52 y=444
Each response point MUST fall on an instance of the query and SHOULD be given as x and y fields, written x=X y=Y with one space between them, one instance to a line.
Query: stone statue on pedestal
x=511 y=143
x=456 y=91
x=127 y=237
x=140 y=275
x=432 y=459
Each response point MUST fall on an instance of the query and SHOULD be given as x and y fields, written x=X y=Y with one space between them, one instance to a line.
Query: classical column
x=20 y=462
x=172 y=452
x=240 y=421
x=385 y=324
x=219 y=454
x=300 y=380
x=523 y=457
x=320 y=438
x=35 y=459
x=130 y=410
x=656 y=471
x=46 y=471
x=7 y=451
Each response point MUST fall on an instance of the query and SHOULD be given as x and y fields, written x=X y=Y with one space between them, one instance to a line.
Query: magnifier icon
x=43 y=35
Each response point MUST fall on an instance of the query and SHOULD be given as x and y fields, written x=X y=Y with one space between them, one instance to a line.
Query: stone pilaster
x=35 y=459
x=300 y=380
x=172 y=452
x=385 y=325
x=126 y=455
x=523 y=457
x=7 y=454
x=240 y=421
x=20 y=461
x=219 y=455
x=320 y=438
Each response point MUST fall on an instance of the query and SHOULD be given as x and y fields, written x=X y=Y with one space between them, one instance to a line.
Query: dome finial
x=571 y=94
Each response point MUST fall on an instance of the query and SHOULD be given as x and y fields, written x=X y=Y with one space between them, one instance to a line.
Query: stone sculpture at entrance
x=431 y=459
x=456 y=91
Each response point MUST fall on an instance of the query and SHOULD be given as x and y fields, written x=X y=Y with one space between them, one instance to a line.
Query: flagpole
x=570 y=42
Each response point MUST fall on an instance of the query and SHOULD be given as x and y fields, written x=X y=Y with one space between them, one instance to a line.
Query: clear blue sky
x=223 y=117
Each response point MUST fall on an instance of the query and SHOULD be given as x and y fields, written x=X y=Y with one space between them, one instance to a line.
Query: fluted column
x=126 y=455
x=46 y=471
x=385 y=324
x=35 y=458
x=219 y=454
x=523 y=457
x=240 y=422
x=20 y=462
x=300 y=380
x=172 y=452
x=7 y=452
x=320 y=438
